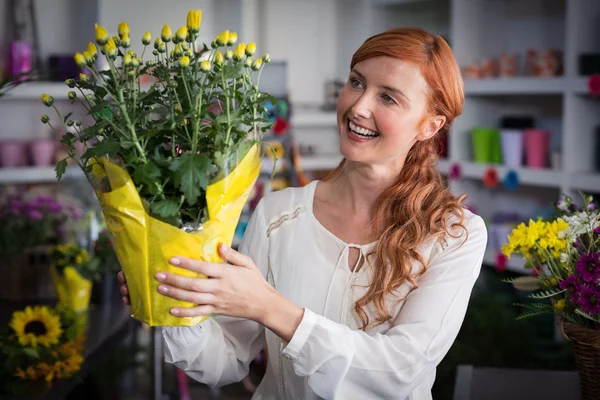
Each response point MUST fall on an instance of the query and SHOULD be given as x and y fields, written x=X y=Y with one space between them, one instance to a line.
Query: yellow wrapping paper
x=145 y=244
x=73 y=290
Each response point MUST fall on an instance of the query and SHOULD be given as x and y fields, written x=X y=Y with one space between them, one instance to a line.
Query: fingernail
x=175 y=261
x=163 y=289
x=160 y=276
x=224 y=247
x=175 y=311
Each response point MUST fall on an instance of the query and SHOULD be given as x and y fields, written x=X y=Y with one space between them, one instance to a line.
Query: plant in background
x=72 y=256
x=173 y=162
x=40 y=343
x=104 y=252
x=25 y=223
x=564 y=252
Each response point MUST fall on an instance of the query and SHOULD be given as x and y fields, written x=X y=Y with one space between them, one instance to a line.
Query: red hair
x=417 y=206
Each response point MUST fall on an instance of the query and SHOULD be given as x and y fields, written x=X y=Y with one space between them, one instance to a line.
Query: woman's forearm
x=280 y=315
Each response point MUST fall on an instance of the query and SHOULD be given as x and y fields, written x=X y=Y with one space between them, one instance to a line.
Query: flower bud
x=205 y=66
x=177 y=52
x=166 y=33
x=182 y=34
x=131 y=74
x=184 y=62
x=80 y=60
x=70 y=122
x=157 y=43
x=111 y=49
x=45 y=118
x=150 y=63
x=240 y=52
x=155 y=52
x=257 y=64
x=89 y=59
x=127 y=60
x=194 y=18
x=70 y=83
x=72 y=95
x=232 y=39
x=214 y=44
x=219 y=58
x=146 y=39
x=117 y=40
x=248 y=62
x=251 y=49
x=125 y=42
x=135 y=62
x=101 y=35
x=266 y=58
x=77 y=123
x=92 y=50
x=229 y=54
x=223 y=38
x=123 y=29
x=162 y=48
x=83 y=78
x=173 y=84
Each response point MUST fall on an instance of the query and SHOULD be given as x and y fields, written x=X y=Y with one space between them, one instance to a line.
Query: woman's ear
x=431 y=127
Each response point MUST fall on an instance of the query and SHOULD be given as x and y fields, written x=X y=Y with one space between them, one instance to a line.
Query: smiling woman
x=359 y=283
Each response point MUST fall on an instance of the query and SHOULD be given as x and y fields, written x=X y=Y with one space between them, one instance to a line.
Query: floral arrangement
x=73 y=256
x=40 y=344
x=173 y=162
x=564 y=254
x=39 y=221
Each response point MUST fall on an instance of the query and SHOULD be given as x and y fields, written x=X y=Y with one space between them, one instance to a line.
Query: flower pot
x=537 y=144
x=512 y=147
x=13 y=153
x=42 y=152
x=586 y=347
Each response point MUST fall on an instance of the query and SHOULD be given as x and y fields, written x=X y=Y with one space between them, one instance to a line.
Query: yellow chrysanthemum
x=36 y=325
x=184 y=62
x=111 y=48
x=219 y=58
x=166 y=33
x=147 y=38
x=251 y=49
x=123 y=29
x=257 y=64
x=182 y=34
x=101 y=35
x=223 y=38
x=240 y=52
x=560 y=304
x=205 y=66
x=92 y=50
x=194 y=18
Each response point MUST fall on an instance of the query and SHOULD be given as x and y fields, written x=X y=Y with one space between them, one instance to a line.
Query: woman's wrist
x=280 y=315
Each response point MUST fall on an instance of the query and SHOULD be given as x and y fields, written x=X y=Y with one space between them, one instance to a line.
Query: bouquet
x=39 y=221
x=172 y=162
x=40 y=344
x=564 y=252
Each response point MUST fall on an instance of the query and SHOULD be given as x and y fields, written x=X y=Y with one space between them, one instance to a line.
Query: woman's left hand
x=237 y=289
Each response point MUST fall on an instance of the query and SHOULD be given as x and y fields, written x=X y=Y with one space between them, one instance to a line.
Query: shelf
x=586 y=181
x=533 y=177
x=517 y=85
x=516 y=263
x=34 y=90
x=311 y=118
x=35 y=175
x=444 y=166
x=320 y=162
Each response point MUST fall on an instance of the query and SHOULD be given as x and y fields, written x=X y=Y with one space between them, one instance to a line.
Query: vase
x=537 y=142
x=586 y=347
x=13 y=153
x=512 y=147
x=42 y=152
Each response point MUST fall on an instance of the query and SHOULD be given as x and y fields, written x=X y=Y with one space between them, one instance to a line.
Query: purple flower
x=597 y=231
x=572 y=285
x=55 y=208
x=588 y=267
x=589 y=300
x=592 y=206
x=576 y=243
x=35 y=215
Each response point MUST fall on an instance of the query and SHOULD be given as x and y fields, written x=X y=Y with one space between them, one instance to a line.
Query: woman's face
x=380 y=111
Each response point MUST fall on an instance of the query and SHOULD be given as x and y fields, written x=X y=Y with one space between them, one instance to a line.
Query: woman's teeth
x=362 y=132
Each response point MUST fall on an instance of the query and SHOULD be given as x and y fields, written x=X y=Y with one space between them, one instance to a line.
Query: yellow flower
x=88 y=57
x=127 y=60
x=223 y=38
x=36 y=325
x=111 y=49
x=560 y=304
x=101 y=35
x=83 y=77
x=146 y=39
x=123 y=29
x=266 y=58
x=248 y=62
x=205 y=66
x=166 y=33
x=125 y=42
x=219 y=58
x=182 y=34
x=229 y=54
x=177 y=51
x=92 y=50
x=157 y=43
x=47 y=100
x=240 y=52
x=194 y=18
x=251 y=49
x=184 y=62
x=80 y=59
x=232 y=39
x=257 y=64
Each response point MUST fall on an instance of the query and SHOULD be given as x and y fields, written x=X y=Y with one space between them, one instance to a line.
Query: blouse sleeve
x=219 y=350
x=355 y=364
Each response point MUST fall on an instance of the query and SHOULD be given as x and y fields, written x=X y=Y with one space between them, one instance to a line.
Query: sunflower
x=36 y=325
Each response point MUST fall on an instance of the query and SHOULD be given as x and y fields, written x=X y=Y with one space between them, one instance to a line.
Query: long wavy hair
x=417 y=206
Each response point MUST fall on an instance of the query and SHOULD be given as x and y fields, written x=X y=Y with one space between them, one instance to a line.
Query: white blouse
x=328 y=356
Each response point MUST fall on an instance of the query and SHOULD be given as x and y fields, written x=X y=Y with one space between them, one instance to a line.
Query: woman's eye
x=355 y=83
x=388 y=99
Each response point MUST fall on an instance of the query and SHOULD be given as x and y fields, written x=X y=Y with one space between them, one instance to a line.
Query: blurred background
x=529 y=133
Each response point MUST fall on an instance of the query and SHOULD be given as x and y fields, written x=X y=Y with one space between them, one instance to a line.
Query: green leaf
x=191 y=174
x=103 y=148
x=31 y=352
x=594 y=318
x=148 y=174
x=165 y=208
x=528 y=314
x=545 y=294
x=61 y=168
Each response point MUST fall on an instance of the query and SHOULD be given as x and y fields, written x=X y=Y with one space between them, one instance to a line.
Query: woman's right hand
x=123 y=287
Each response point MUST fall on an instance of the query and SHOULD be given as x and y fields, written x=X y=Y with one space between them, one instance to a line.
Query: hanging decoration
x=511 y=180
x=501 y=262
x=594 y=84
x=455 y=172
x=490 y=178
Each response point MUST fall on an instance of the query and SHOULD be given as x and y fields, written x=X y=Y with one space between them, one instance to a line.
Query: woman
x=361 y=280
